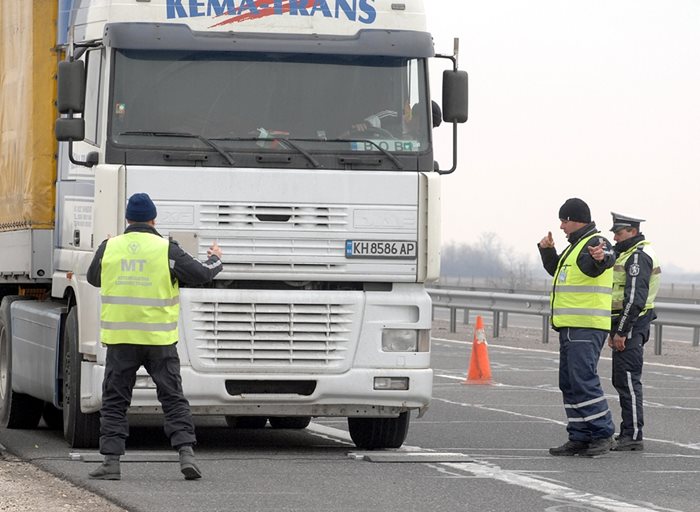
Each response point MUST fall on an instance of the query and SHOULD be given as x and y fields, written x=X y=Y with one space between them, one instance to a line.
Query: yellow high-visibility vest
x=620 y=277
x=140 y=303
x=578 y=300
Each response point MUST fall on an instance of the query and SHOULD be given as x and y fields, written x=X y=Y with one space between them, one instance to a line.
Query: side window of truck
x=93 y=87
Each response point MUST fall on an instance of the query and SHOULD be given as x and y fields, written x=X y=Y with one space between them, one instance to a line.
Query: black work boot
x=187 y=463
x=627 y=444
x=108 y=470
x=569 y=449
x=599 y=447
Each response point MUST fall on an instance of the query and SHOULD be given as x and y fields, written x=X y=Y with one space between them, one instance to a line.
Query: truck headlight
x=406 y=340
x=391 y=383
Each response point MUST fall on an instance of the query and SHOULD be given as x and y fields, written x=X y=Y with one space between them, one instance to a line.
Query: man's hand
x=547 y=242
x=597 y=252
x=215 y=249
x=617 y=342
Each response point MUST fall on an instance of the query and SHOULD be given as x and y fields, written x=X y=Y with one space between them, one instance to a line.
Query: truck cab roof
x=322 y=17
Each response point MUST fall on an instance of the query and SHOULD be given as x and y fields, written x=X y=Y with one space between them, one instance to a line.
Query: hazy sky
x=597 y=99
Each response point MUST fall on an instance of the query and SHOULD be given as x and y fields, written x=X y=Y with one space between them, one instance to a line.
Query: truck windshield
x=238 y=100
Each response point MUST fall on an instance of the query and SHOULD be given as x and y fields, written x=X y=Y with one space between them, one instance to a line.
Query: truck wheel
x=290 y=422
x=376 y=433
x=255 y=422
x=17 y=410
x=80 y=430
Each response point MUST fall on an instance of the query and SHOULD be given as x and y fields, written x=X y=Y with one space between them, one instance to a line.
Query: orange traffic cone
x=479 y=366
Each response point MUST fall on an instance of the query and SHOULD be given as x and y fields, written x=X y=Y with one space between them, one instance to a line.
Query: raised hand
x=547 y=242
x=597 y=252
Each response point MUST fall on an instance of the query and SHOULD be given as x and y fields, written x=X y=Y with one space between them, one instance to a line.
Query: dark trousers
x=586 y=408
x=627 y=379
x=163 y=365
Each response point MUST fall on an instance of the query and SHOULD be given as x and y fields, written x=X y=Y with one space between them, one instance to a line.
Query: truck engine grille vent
x=242 y=216
x=312 y=336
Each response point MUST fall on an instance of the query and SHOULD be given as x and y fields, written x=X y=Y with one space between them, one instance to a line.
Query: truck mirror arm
x=453 y=59
x=91 y=159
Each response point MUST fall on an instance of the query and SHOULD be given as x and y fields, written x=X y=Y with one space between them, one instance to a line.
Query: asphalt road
x=479 y=448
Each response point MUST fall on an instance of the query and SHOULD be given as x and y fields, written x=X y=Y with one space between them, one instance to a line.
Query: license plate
x=380 y=249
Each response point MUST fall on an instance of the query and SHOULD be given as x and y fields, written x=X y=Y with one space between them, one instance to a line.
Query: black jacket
x=589 y=266
x=183 y=267
x=638 y=269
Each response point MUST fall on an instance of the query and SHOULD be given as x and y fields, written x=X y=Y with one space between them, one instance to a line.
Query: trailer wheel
x=79 y=429
x=377 y=433
x=253 y=422
x=17 y=410
x=290 y=422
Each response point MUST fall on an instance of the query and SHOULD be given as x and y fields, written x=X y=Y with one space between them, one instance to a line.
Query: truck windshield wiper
x=288 y=142
x=308 y=156
x=386 y=153
x=186 y=135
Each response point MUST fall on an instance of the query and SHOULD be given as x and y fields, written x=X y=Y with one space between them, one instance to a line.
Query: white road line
x=695 y=446
x=554 y=352
x=551 y=491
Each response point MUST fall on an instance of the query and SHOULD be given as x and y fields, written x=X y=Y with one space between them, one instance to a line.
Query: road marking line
x=549 y=489
x=694 y=446
x=542 y=351
x=486 y=470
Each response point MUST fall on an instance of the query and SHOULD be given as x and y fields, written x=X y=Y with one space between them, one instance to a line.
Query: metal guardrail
x=500 y=304
x=668 y=291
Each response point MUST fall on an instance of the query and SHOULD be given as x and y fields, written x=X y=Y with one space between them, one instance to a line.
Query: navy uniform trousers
x=587 y=412
x=627 y=379
x=163 y=365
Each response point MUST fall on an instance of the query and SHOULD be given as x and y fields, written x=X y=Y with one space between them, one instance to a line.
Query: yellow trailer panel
x=28 y=63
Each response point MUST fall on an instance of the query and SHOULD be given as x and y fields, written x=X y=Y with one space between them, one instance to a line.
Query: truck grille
x=274 y=217
x=272 y=335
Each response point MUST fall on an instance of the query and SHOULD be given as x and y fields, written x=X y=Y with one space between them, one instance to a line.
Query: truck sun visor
x=171 y=36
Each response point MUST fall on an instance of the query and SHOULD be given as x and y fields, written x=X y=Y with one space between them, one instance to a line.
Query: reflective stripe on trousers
x=627 y=379
x=585 y=405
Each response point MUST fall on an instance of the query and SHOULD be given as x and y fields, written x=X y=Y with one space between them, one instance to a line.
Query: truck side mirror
x=69 y=129
x=437 y=114
x=71 y=87
x=455 y=96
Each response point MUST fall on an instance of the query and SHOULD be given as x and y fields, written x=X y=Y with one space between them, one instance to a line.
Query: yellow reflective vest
x=578 y=300
x=140 y=303
x=620 y=277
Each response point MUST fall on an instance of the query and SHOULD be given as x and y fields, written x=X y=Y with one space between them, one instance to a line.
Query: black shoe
x=627 y=444
x=187 y=464
x=107 y=471
x=598 y=447
x=569 y=449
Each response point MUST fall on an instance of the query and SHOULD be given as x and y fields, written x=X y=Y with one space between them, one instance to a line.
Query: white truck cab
x=298 y=135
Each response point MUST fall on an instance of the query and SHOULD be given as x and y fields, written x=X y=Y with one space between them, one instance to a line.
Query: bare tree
x=489 y=260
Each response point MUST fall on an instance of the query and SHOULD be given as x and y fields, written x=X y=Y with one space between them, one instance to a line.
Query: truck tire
x=253 y=422
x=17 y=410
x=290 y=422
x=79 y=429
x=377 y=433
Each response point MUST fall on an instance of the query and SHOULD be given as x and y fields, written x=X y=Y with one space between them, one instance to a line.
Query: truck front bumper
x=349 y=394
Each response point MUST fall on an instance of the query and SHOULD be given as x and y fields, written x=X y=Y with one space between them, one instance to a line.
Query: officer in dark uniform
x=636 y=277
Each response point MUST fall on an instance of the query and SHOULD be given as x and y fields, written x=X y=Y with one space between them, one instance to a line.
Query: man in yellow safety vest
x=138 y=274
x=581 y=298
